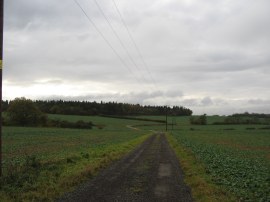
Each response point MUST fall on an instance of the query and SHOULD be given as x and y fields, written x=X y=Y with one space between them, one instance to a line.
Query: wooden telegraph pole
x=166 y=118
x=1 y=67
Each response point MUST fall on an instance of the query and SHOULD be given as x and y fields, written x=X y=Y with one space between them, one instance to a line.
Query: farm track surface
x=150 y=173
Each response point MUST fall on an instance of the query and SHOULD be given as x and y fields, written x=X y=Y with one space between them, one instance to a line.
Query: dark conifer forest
x=104 y=108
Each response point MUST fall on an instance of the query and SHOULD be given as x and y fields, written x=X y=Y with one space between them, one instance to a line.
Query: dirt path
x=150 y=173
x=132 y=127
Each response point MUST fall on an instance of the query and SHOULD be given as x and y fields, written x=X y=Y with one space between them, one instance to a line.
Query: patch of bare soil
x=149 y=173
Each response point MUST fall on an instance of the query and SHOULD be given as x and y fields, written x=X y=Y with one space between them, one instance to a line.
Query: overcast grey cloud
x=211 y=56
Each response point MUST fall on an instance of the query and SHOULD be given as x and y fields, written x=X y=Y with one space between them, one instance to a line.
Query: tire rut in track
x=150 y=173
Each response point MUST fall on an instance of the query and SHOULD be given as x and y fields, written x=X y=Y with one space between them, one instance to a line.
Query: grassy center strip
x=45 y=181
x=195 y=175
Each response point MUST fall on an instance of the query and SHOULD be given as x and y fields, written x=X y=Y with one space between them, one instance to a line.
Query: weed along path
x=150 y=173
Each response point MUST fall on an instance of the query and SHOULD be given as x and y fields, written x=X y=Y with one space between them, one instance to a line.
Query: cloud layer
x=211 y=56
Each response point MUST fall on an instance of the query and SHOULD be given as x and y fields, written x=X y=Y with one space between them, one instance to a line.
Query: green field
x=107 y=123
x=43 y=163
x=235 y=158
x=52 y=144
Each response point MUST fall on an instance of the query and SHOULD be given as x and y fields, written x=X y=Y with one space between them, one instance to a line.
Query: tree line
x=252 y=115
x=24 y=112
x=245 y=119
x=103 y=108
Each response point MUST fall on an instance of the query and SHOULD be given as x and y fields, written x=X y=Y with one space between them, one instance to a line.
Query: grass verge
x=195 y=176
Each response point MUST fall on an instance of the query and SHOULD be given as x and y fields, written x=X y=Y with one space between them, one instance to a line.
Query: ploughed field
x=45 y=163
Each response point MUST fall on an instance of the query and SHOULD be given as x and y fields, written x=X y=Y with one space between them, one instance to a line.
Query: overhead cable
x=119 y=39
x=104 y=38
x=133 y=41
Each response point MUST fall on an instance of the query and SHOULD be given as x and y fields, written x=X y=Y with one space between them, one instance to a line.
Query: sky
x=210 y=56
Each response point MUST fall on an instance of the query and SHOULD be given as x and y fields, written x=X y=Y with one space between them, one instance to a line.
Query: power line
x=137 y=47
x=119 y=39
x=104 y=38
x=134 y=43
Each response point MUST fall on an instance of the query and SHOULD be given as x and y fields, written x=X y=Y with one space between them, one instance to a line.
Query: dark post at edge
x=166 y=118
x=1 y=63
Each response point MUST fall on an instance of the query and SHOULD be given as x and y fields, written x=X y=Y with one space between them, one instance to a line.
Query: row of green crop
x=243 y=171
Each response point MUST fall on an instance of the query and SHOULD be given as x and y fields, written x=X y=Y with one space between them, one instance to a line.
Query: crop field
x=66 y=157
x=107 y=123
x=235 y=157
x=54 y=143
x=40 y=164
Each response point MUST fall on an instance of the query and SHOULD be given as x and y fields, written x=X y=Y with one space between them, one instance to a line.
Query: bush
x=66 y=124
x=24 y=112
x=201 y=120
x=83 y=125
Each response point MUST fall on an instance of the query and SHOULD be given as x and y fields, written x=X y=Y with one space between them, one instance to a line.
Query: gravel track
x=150 y=173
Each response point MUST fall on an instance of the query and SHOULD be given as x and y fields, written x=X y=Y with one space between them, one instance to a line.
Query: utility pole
x=166 y=118
x=1 y=67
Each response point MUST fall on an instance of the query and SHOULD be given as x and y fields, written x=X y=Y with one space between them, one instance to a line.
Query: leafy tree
x=24 y=112
x=4 y=105
x=201 y=120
